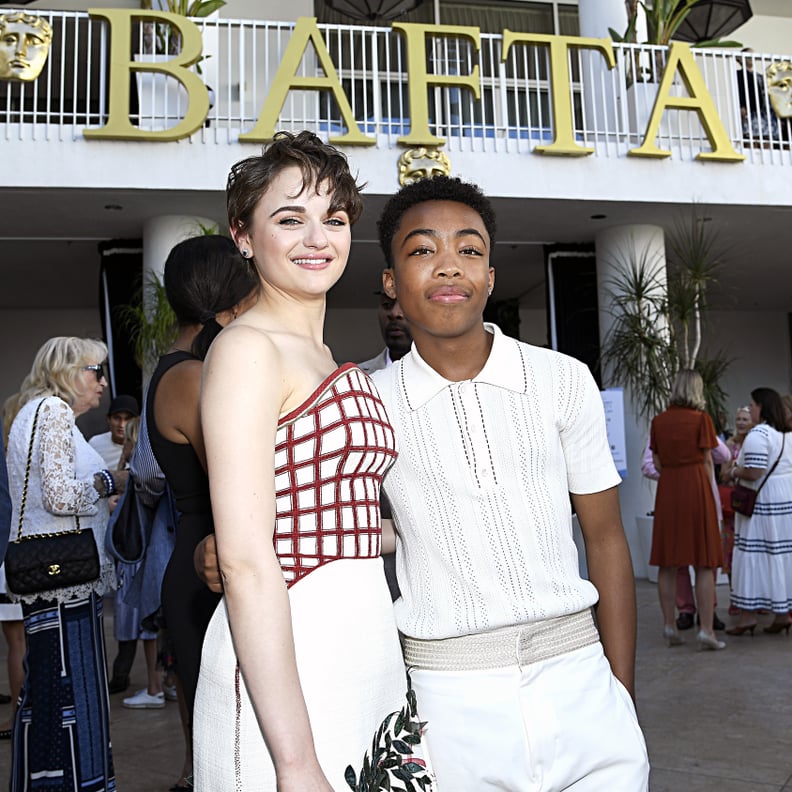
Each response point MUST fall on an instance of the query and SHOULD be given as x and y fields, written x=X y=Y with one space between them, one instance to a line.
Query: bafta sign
x=24 y=45
x=779 y=87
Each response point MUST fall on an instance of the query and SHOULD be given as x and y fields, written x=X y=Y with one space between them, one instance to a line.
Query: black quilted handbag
x=45 y=562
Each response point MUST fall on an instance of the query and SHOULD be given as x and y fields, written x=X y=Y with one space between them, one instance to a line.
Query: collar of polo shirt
x=504 y=368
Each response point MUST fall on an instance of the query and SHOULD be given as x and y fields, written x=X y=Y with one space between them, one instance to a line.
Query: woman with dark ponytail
x=208 y=284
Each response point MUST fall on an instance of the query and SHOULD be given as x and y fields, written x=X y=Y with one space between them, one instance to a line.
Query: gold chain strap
x=21 y=538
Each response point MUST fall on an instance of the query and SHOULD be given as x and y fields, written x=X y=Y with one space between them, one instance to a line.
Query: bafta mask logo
x=24 y=46
x=779 y=88
x=422 y=163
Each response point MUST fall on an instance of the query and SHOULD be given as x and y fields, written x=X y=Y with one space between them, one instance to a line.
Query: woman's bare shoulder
x=241 y=340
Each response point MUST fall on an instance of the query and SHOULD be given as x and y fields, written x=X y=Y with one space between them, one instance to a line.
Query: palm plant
x=150 y=322
x=663 y=19
x=695 y=256
x=637 y=352
x=659 y=329
x=149 y=318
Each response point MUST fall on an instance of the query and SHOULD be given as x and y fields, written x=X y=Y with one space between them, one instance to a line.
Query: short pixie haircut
x=319 y=162
x=57 y=365
x=437 y=188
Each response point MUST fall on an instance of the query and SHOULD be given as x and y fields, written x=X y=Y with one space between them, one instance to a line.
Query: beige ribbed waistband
x=520 y=645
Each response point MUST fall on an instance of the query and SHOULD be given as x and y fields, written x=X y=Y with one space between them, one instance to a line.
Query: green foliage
x=391 y=758
x=712 y=371
x=637 y=352
x=695 y=260
x=196 y=8
x=663 y=19
x=656 y=331
x=153 y=331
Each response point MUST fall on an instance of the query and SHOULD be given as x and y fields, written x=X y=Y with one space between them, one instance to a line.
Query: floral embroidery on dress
x=391 y=760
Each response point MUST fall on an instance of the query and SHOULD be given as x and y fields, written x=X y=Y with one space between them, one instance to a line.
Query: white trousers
x=560 y=724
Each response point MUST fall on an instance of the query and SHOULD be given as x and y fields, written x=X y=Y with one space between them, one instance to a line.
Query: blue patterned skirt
x=61 y=737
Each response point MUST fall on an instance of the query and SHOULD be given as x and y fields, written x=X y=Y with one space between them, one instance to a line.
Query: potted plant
x=150 y=322
x=659 y=328
x=662 y=19
x=642 y=70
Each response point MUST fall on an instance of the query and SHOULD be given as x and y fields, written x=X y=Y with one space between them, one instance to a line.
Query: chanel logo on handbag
x=54 y=569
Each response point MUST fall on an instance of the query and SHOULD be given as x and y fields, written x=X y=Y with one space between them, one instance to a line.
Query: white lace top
x=60 y=486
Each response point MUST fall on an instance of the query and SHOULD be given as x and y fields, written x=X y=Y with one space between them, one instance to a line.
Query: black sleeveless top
x=178 y=461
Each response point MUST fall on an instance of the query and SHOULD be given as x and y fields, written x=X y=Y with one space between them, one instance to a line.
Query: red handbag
x=743 y=499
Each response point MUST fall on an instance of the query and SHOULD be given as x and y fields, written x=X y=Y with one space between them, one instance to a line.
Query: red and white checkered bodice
x=330 y=456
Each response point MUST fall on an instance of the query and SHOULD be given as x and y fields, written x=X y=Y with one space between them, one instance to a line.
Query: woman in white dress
x=762 y=563
x=301 y=664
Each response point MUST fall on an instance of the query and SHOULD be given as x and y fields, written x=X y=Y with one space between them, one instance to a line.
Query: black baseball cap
x=124 y=403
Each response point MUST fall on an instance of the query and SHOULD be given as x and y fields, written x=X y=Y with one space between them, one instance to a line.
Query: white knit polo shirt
x=480 y=490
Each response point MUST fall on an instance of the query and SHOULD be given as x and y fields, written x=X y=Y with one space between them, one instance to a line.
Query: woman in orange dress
x=685 y=520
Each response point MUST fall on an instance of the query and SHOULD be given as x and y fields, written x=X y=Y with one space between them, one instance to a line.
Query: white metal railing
x=610 y=107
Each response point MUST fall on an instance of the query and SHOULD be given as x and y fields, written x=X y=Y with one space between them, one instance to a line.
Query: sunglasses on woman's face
x=98 y=371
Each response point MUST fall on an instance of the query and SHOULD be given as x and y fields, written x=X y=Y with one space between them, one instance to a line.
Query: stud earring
x=245 y=253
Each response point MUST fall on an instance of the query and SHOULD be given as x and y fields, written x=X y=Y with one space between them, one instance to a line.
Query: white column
x=614 y=247
x=601 y=103
x=596 y=16
x=160 y=235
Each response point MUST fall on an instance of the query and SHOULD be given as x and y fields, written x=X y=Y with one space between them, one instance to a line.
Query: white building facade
x=583 y=158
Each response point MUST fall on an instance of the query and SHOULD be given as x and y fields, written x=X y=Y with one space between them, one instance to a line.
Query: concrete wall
x=759 y=346
x=770 y=34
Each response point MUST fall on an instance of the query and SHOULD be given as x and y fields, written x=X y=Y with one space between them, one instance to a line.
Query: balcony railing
x=610 y=107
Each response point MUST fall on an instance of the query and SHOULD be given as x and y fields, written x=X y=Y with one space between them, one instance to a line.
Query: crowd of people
x=286 y=478
x=700 y=524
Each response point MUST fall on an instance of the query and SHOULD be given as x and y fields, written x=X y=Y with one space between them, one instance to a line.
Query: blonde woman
x=742 y=425
x=686 y=520
x=65 y=669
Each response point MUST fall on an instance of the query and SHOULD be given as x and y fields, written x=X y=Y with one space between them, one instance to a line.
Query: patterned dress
x=762 y=564
x=330 y=456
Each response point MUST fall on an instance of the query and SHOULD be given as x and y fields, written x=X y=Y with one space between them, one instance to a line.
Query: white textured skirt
x=351 y=672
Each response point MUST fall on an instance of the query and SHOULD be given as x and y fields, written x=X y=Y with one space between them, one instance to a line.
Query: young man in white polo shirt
x=493 y=437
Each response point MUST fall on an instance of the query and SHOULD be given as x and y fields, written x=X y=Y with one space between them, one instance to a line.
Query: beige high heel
x=673 y=638
x=709 y=641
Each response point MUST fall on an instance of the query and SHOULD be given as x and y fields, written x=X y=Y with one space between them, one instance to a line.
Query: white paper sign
x=613 y=402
